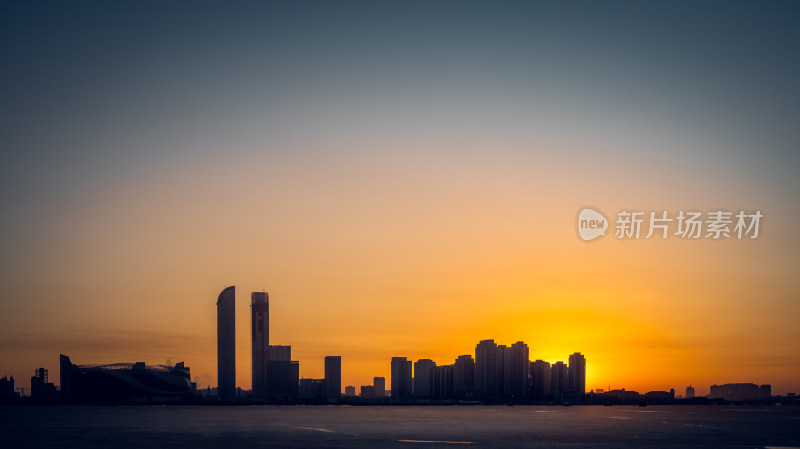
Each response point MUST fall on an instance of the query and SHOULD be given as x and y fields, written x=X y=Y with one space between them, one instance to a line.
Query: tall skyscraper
x=577 y=373
x=333 y=377
x=401 y=378
x=540 y=380
x=226 y=344
x=259 y=317
x=464 y=377
x=379 y=383
x=558 y=380
x=487 y=371
x=690 y=392
x=423 y=378
x=515 y=371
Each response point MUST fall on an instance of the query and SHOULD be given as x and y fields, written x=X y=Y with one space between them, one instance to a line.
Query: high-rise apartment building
x=540 y=381
x=401 y=378
x=423 y=378
x=464 y=377
x=577 y=373
x=516 y=367
x=558 y=380
x=487 y=371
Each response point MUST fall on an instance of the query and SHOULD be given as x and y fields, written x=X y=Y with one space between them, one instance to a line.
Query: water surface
x=400 y=427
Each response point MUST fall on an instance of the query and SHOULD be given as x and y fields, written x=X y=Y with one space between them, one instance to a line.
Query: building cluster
x=275 y=376
x=740 y=392
x=735 y=392
x=623 y=396
x=496 y=373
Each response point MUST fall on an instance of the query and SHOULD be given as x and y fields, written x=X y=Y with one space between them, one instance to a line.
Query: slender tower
x=226 y=344
x=259 y=310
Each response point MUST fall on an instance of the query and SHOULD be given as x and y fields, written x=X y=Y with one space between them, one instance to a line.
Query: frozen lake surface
x=400 y=427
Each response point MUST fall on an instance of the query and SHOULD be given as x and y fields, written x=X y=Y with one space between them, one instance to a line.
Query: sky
x=403 y=178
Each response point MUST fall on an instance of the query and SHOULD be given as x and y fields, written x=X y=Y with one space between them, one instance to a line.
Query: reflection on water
x=314 y=428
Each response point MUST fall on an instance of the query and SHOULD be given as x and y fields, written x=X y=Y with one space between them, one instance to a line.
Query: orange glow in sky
x=409 y=259
x=404 y=179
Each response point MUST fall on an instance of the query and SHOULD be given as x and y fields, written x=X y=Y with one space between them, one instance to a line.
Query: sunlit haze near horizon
x=403 y=180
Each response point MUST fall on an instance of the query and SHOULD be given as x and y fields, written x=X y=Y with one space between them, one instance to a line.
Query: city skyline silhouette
x=405 y=179
x=379 y=224
x=496 y=373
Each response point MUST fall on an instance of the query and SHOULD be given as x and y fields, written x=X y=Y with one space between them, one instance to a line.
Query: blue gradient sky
x=155 y=152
